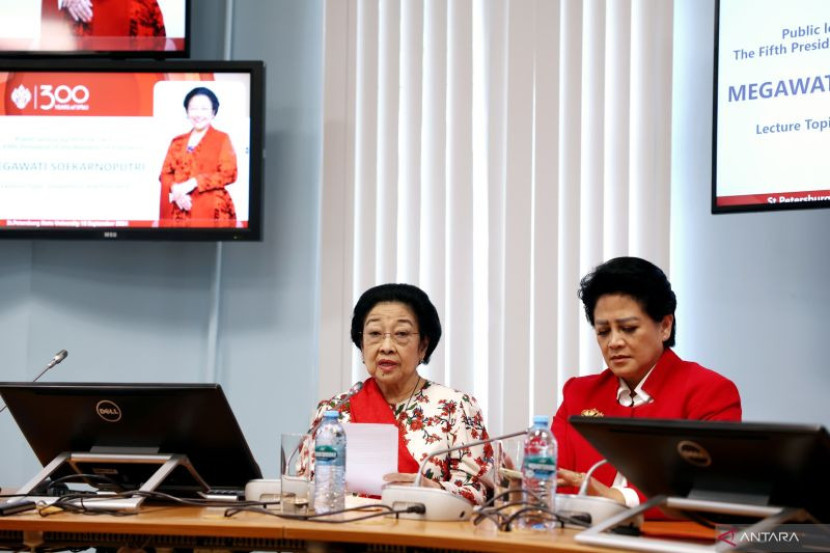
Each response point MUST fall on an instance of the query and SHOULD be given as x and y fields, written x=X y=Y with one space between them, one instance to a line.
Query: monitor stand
x=166 y=463
x=771 y=517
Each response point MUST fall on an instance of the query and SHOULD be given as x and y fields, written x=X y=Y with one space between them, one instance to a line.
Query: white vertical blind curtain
x=491 y=152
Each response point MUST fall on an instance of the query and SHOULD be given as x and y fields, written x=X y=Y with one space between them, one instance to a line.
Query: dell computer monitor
x=782 y=465
x=188 y=419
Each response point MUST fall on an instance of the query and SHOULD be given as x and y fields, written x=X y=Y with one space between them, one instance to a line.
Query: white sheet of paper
x=371 y=452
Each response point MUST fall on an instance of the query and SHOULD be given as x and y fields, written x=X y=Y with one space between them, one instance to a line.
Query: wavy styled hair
x=637 y=278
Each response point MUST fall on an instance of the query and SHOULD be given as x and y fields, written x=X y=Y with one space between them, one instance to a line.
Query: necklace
x=411 y=395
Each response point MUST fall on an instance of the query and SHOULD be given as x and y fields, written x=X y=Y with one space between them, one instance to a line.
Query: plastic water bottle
x=330 y=465
x=539 y=474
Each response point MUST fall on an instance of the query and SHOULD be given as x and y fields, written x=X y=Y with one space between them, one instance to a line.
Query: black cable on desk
x=385 y=510
x=75 y=502
x=504 y=516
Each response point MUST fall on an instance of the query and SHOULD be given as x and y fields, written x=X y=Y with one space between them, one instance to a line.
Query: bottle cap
x=331 y=414
x=540 y=420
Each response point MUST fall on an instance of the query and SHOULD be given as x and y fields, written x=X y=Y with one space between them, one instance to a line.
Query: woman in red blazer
x=102 y=25
x=198 y=167
x=630 y=304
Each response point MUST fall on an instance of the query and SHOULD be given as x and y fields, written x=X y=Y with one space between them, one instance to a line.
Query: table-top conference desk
x=208 y=528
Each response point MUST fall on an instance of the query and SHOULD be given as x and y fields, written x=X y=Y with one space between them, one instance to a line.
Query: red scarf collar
x=369 y=405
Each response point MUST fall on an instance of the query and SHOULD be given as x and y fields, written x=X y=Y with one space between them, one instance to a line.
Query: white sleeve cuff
x=630 y=496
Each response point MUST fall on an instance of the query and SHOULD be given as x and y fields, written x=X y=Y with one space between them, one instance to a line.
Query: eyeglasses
x=400 y=337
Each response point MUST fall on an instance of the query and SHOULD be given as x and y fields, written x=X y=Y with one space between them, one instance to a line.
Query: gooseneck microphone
x=436 y=504
x=60 y=356
x=444 y=451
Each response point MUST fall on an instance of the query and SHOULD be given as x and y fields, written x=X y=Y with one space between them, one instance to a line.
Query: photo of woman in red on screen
x=198 y=166
x=103 y=24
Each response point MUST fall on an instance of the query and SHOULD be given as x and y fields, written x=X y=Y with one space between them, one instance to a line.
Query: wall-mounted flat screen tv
x=111 y=28
x=772 y=88
x=131 y=149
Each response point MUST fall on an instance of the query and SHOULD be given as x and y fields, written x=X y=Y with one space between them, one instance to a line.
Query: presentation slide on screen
x=773 y=103
x=88 y=149
x=51 y=25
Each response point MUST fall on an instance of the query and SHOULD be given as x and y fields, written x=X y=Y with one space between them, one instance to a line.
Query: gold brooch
x=592 y=413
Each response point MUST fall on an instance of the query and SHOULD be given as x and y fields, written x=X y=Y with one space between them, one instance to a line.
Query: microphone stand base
x=439 y=505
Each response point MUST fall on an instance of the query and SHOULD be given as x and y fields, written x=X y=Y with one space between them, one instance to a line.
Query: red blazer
x=679 y=389
x=213 y=164
x=110 y=19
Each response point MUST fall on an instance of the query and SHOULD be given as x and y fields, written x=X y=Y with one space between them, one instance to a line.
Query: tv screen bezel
x=740 y=208
x=184 y=53
x=253 y=232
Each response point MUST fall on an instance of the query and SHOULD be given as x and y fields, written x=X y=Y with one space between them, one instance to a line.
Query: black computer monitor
x=784 y=465
x=187 y=419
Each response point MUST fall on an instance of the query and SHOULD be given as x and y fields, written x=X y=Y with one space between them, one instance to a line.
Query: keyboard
x=223 y=495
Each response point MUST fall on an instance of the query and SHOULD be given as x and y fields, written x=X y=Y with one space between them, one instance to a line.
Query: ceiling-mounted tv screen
x=772 y=91
x=131 y=150
x=112 y=28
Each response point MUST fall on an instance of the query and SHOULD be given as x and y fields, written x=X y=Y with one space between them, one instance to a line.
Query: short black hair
x=429 y=324
x=202 y=91
x=637 y=278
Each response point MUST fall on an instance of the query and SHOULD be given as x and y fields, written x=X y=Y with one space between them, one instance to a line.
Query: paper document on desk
x=371 y=452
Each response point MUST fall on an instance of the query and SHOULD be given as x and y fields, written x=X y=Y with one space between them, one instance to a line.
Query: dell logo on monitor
x=694 y=453
x=108 y=410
